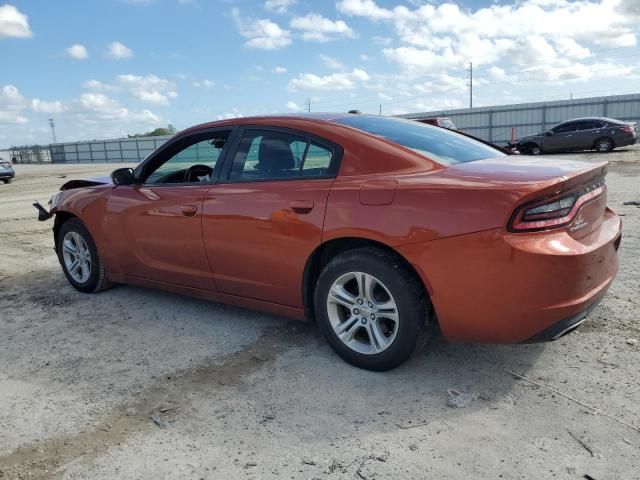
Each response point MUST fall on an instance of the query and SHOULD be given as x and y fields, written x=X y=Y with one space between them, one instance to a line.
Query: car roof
x=309 y=117
x=604 y=119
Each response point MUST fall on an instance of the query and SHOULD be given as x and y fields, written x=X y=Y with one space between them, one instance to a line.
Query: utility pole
x=470 y=84
x=380 y=110
x=53 y=130
x=308 y=104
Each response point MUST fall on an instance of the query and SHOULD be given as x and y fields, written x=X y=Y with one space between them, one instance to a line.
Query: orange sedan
x=375 y=227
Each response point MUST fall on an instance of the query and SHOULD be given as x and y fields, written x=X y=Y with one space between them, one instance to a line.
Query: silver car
x=595 y=133
x=6 y=171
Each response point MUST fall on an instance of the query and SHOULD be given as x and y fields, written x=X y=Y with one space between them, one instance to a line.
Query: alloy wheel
x=363 y=313
x=603 y=145
x=77 y=257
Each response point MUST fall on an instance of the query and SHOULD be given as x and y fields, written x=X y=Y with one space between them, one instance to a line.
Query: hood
x=73 y=184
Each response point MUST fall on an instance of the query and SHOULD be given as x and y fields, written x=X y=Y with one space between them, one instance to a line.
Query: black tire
x=6 y=180
x=532 y=149
x=604 y=145
x=97 y=280
x=414 y=307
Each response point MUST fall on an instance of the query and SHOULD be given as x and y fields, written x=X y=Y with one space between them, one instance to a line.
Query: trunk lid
x=530 y=170
x=537 y=178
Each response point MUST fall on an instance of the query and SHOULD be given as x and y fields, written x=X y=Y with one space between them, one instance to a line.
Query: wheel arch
x=62 y=216
x=329 y=249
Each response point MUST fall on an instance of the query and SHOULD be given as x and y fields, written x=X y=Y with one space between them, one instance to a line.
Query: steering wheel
x=196 y=171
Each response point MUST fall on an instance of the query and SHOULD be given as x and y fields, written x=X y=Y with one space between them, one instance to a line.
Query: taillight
x=628 y=129
x=556 y=211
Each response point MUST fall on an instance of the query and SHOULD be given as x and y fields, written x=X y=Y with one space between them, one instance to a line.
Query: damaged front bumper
x=43 y=213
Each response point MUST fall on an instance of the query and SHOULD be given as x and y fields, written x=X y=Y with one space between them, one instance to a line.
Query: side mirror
x=122 y=176
x=548 y=133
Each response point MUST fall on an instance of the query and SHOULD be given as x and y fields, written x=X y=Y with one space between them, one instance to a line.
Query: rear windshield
x=437 y=143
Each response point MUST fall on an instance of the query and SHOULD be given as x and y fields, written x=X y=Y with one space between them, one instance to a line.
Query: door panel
x=159 y=233
x=563 y=138
x=259 y=235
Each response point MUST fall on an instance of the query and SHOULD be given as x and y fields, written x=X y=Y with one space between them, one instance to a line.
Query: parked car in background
x=593 y=133
x=375 y=227
x=7 y=173
x=443 y=122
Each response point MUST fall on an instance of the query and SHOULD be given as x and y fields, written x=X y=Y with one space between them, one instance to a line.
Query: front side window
x=439 y=144
x=193 y=163
x=265 y=155
x=567 y=127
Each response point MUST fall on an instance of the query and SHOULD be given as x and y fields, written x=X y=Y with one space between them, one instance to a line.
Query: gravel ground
x=133 y=383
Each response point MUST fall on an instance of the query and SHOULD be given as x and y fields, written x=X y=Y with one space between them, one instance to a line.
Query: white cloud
x=364 y=8
x=384 y=96
x=279 y=70
x=262 y=33
x=335 y=81
x=497 y=73
x=330 y=62
x=77 y=51
x=12 y=103
x=234 y=113
x=41 y=106
x=206 y=83
x=149 y=88
x=13 y=23
x=435 y=36
x=316 y=28
x=97 y=85
x=293 y=106
x=279 y=6
x=118 y=51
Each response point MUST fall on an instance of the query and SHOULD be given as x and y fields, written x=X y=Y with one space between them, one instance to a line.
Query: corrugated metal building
x=495 y=123
x=491 y=123
x=130 y=150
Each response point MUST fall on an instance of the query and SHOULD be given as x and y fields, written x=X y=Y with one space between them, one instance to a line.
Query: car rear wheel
x=79 y=258
x=372 y=309
x=603 y=145
x=6 y=180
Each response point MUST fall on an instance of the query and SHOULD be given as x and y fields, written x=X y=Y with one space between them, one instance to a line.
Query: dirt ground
x=133 y=383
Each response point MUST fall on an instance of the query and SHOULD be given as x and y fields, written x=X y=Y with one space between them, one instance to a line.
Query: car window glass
x=588 y=125
x=192 y=164
x=317 y=161
x=440 y=144
x=566 y=127
x=264 y=155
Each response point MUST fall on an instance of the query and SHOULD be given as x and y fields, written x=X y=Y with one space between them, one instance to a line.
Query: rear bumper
x=565 y=326
x=498 y=287
x=7 y=174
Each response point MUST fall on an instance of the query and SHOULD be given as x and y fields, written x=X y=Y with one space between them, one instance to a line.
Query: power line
x=470 y=84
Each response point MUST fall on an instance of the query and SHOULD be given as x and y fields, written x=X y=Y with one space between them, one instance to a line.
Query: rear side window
x=439 y=144
x=270 y=155
x=589 y=125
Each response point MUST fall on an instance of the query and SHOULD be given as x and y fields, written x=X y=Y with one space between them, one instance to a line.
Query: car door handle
x=301 y=206
x=188 y=210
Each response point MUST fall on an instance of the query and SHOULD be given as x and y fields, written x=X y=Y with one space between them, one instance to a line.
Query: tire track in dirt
x=49 y=458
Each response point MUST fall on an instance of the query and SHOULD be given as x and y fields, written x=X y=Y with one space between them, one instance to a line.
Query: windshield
x=436 y=143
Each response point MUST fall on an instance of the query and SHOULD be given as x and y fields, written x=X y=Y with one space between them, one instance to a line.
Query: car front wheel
x=79 y=257
x=372 y=309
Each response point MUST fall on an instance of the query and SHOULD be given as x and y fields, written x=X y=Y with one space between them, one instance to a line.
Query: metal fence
x=495 y=123
x=130 y=150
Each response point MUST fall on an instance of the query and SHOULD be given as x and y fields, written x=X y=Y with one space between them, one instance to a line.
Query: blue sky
x=105 y=68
